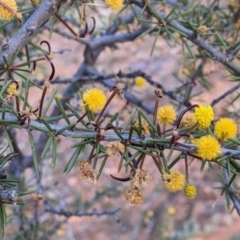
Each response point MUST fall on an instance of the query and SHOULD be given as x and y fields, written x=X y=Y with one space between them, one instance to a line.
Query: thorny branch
x=194 y=38
x=28 y=30
x=109 y=136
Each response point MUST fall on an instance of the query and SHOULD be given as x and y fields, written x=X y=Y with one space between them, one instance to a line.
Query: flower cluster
x=207 y=147
x=141 y=177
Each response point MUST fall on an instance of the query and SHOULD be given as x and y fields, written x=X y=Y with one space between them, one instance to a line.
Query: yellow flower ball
x=208 y=148
x=114 y=4
x=190 y=191
x=174 y=181
x=166 y=115
x=5 y=14
x=140 y=81
x=225 y=128
x=204 y=116
x=94 y=99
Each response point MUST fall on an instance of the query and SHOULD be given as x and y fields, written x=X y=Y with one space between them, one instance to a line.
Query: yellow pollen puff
x=225 y=128
x=190 y=191
x=114 y=4
x=174 y=181
x=166 y=115
x=94 y=99
x=5 y=14
x=204 y=116
x=140 y=81
x=208 y=148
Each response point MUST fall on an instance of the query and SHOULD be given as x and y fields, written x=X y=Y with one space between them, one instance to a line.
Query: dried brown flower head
x=141 y=177
x=114 y=147
x=134 y=195
x=145 y=126
x=188 y=120
x=86 y=173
